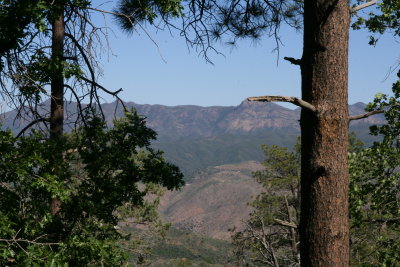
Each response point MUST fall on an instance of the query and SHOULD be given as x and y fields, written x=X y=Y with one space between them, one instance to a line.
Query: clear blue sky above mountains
x=250 y=69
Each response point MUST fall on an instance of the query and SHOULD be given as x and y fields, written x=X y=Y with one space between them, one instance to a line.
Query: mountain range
x=217 y=148
x=190 y=122
x=196 y=138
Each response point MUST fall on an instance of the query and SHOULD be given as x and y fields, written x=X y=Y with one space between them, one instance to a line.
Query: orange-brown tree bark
x=57 y=88
x=324 y=226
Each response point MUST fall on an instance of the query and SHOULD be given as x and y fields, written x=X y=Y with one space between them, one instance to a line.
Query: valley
x=217 y=148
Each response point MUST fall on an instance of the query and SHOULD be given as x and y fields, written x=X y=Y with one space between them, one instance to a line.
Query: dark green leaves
x=384 y=18
x=94 y=173
x=375 y=187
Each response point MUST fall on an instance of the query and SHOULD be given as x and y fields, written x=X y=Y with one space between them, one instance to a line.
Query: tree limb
x=78 y=101
x=31 y=124
x=294 y=61
x=284 y=223
x=365 y=5
x=18 y=240
x=366 y=115
x=87 y=61
x=294 y=100
x=113 y=93
x=292 y=233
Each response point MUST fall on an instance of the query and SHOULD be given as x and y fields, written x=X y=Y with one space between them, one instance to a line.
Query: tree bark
x=324 y=226
x=57 y=88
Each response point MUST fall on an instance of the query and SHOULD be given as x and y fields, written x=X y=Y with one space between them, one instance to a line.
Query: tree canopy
x=96 y=174
x=63 y=195
x=375 y=186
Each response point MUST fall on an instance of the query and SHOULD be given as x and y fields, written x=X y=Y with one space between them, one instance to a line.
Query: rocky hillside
x=214 y=201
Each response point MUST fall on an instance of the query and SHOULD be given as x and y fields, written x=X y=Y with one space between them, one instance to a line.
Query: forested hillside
x=196 y=138
x=89 y=183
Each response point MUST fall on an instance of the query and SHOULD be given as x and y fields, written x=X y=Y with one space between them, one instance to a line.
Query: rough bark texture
x=57 y=90
x=324 y=226
x=57 y=82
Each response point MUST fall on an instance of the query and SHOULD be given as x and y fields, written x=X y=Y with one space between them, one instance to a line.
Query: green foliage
x=137 y=11
x=240 y=19
x=374 y=190
x=266 y=240
x=385 y=18
x=355 y=144
x=21 y=20
x=374 y=207
x=94 y=174
x=26 y=60
x=62 y=199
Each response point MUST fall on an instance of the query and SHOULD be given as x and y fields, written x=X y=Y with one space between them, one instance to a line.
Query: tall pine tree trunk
x=324 y=226
x=57 y=88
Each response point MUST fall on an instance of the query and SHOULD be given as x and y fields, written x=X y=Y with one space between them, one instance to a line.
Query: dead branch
x=78 y=101
x=294 y=61
x=293 y=235
x=113 y=93
x=284 y=223
x=30 y=125
x=87 y=61
x=20 y=240
x=365 y=5
x=294 y=100
x=16 y=241
x=268 y=244
x=366 y=115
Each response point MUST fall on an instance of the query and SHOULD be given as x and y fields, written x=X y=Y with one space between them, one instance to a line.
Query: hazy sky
x=250 y=69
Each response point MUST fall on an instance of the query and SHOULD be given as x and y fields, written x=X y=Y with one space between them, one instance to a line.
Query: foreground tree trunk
x=324 y=226
x=57 y=88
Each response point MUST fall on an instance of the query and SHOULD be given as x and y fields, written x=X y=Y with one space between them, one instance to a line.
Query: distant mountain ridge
x=189 y=121
x=195 y=138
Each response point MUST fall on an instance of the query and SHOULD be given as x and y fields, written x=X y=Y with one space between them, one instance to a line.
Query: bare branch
x=365 y=5
x=294 y=61
x=268 y=245
x=294 y=100
x=113 y=93
x=288 y=224
x=31 y=124
x=78 y=101
x=20 y=240
x=86 y=59
x=292 y=233
x=366 y=115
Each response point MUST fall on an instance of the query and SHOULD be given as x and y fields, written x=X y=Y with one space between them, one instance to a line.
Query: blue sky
x=250 y=69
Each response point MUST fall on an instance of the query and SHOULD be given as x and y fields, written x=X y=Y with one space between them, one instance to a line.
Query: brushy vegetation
x=94 y=174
